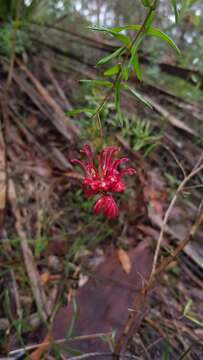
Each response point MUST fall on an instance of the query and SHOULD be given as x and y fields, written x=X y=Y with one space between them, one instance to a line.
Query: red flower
x=108 y=205
x=103 y=179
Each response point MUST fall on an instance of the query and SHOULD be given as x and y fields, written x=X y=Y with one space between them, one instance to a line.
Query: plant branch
x=134 y=42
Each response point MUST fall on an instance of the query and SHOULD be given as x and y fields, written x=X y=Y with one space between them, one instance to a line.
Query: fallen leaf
x=44 y=278
x=47 y=278
x=124 y=260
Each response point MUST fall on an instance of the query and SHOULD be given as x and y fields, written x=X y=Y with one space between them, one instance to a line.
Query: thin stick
x=59 y=341
x=176 y=159
x=168 y=212
x=96 y=355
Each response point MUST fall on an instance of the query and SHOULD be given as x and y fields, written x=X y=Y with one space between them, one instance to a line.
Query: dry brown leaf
x=44 y=278
x=47 y=278
x=124 y=260
x=36 y=355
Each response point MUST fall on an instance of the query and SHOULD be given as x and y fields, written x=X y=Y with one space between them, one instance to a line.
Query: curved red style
x=104 y=179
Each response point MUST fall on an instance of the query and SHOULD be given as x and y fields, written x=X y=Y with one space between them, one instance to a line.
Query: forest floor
x=68 y=278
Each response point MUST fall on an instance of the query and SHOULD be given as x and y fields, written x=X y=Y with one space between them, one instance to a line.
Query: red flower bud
x=107 y=205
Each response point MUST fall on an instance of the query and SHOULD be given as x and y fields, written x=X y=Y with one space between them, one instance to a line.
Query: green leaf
x=161 y=35
x=112 y=56
x=138 y=96
x=112 y=70
x=152 y=32
x=125 y=72
x=135 y=49
x=104 y=83
x=79 y=111
x=136 y=66
x=123 y=38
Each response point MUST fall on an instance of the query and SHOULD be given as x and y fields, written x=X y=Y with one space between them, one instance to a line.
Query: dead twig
x=96 y=355
x=37 y=289
x=168 y=212
x=60 y=341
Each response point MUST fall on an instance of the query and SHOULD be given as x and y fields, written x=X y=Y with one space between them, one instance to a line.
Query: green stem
x=135 y=43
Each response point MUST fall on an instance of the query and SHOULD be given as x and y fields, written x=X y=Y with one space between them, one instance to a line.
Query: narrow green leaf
x=161 y=35
x=112 y=56
x=123 y=38
x=135 y=49
x=152 y=32
x=137 y=68
x=112 y=70
x=138 y=96
x=125 y=72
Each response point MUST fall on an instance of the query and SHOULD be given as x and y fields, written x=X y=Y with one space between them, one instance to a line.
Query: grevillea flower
x=104 y=179
x=107 y=204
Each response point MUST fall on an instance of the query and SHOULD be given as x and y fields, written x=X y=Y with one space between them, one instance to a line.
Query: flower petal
x=79 y=162
x=129 y=171
x=88 y=152
x=108 y=205
x=118 y=162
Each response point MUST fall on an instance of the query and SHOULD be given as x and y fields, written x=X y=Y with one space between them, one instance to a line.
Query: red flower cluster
x=106 y=178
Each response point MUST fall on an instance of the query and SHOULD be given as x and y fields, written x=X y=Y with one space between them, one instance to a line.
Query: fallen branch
x=62 y=122
x=173 y=120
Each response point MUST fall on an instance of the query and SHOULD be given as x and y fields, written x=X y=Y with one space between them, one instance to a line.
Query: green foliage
x=18 y=16
x=125 y=57
x=141 y=135
x=12 y=39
